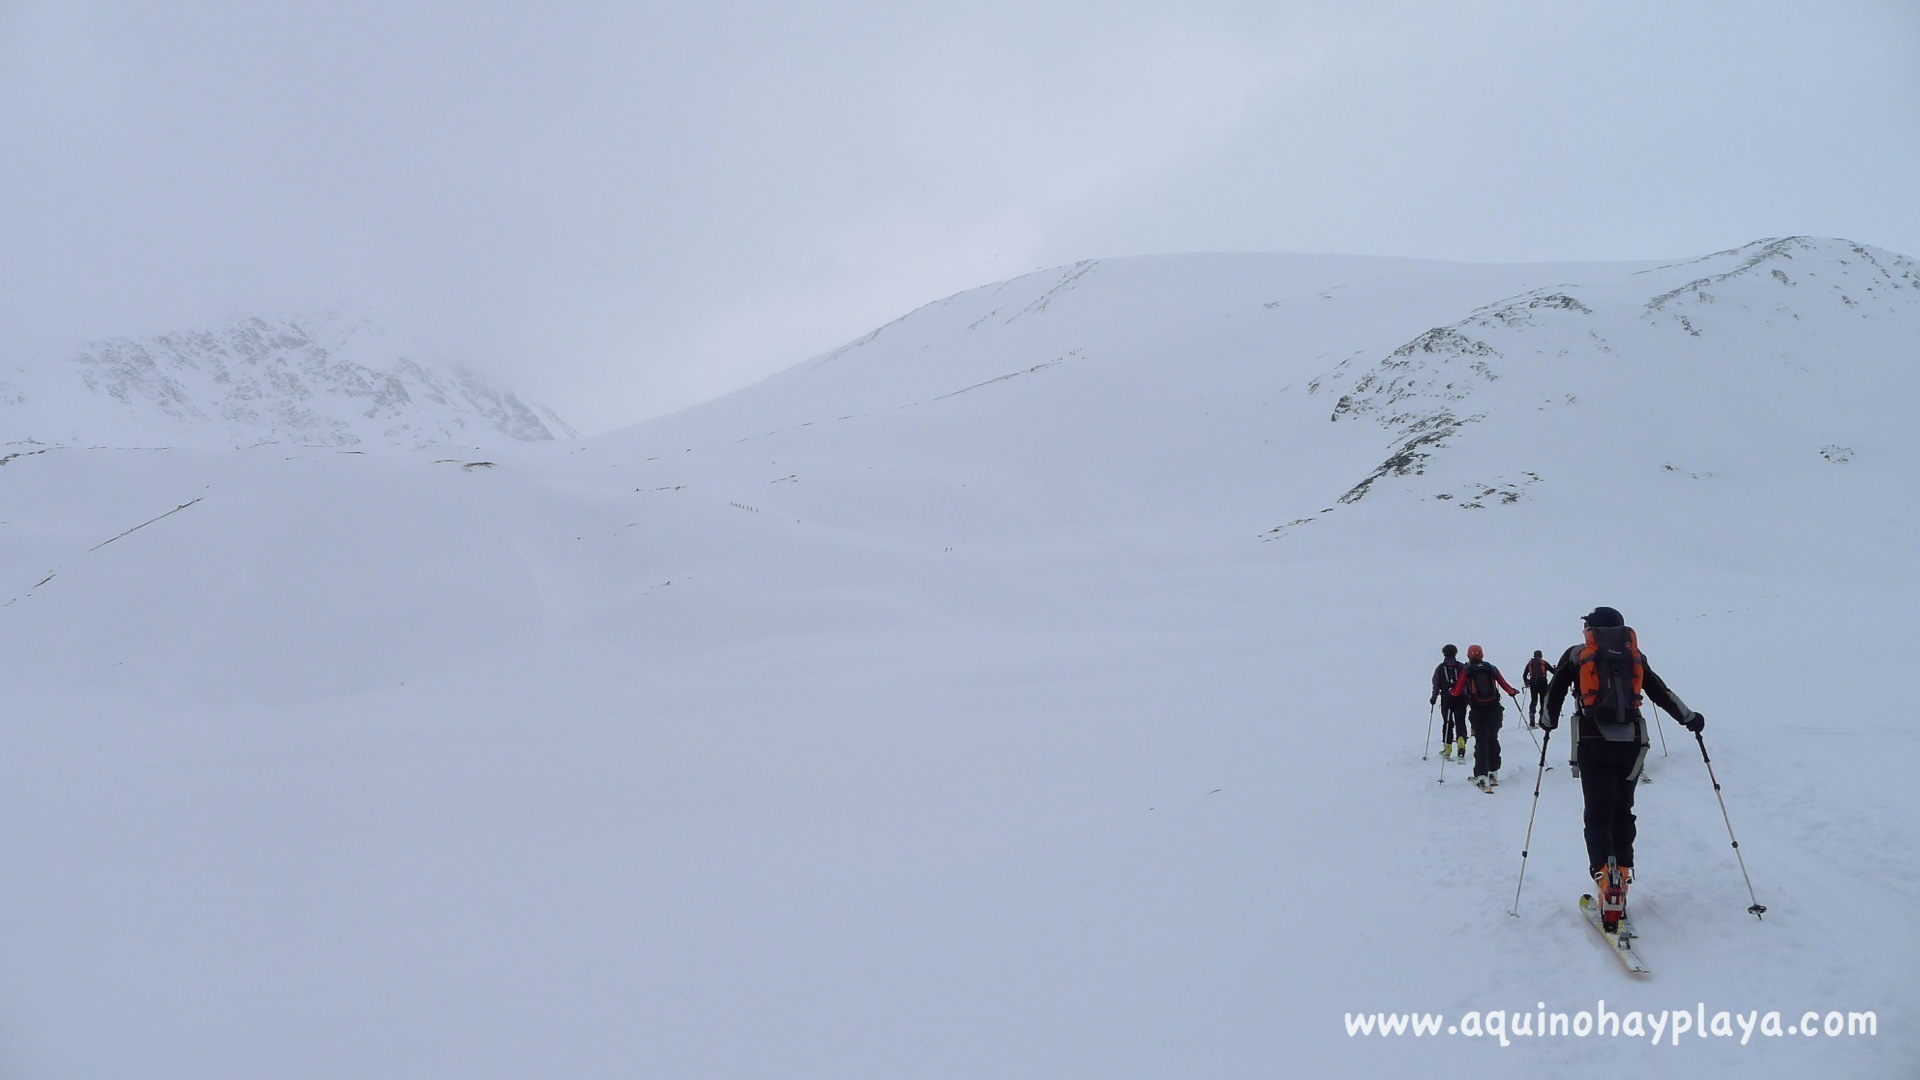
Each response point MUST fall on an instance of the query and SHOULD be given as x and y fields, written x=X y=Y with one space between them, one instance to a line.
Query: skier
x=1453 y=711
x=1609 y=673
x=1537 y=677
x=1479 y=687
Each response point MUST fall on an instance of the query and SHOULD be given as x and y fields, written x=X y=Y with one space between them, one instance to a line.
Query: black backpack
x=1481 y=687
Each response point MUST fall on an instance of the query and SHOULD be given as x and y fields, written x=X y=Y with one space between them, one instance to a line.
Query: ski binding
x=1621 y=940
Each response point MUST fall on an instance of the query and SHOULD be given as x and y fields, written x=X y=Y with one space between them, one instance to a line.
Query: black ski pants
x=1536 y=702
x=1609 y=778
x=1453 y=718
x=1485 y=716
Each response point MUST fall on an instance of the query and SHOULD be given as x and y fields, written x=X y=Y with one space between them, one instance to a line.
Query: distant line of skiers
x=1609 y=677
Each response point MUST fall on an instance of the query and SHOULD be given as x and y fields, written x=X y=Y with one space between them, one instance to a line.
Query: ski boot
x=1610 y=887
x=1460 y=748
x=1493 y=778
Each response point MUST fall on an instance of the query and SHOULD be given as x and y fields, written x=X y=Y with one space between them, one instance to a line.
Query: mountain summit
x=326 y=380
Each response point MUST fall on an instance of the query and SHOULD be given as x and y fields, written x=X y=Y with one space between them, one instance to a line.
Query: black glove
x=1549 y=723
x=1695 y=722
x=1433 y=697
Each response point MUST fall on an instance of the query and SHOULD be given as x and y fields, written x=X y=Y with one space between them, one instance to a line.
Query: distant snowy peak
x=325 y=380
x=1765 y=284
x=1811 y=303
x=1866 y=267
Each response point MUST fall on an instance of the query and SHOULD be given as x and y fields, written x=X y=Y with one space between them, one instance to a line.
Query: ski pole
x=1516 y=706
x=1758 y=910
x=1660 y=724
x=1428 y=745
x=1528 y=842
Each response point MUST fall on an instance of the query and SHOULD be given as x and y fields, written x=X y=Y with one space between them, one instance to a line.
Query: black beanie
x=1448 y=650
x=1605 y=616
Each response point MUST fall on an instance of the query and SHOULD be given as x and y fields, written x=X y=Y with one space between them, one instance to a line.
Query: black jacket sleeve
x=1564 y=676
x=1658 y=693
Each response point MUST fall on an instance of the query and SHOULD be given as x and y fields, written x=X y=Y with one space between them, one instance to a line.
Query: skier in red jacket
x=1480 y=684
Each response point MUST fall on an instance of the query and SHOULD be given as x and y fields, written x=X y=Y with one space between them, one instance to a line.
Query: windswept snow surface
x=1031 y=688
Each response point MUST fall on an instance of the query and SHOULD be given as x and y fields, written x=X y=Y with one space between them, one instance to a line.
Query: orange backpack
x=1612 y=672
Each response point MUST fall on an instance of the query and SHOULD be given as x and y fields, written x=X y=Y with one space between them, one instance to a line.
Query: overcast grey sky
x=622 y=208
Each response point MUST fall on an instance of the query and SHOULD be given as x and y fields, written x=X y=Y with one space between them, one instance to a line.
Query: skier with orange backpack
x=1611 y=677
x=1480 y=684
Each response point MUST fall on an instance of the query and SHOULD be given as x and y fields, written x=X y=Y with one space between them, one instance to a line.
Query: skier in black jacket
x=1608 y=675
x=1453 y=710
x=1537 y=677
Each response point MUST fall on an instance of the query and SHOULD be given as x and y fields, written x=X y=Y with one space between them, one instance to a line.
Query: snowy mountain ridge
x=328 y=380
x=1770 y=347
x=1551 y=345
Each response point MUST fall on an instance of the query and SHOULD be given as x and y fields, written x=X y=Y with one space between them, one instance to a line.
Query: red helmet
x=1475 y=652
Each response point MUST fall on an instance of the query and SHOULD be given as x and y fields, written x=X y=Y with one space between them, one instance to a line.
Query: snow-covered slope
x=1030 y=688
x=328 y=380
